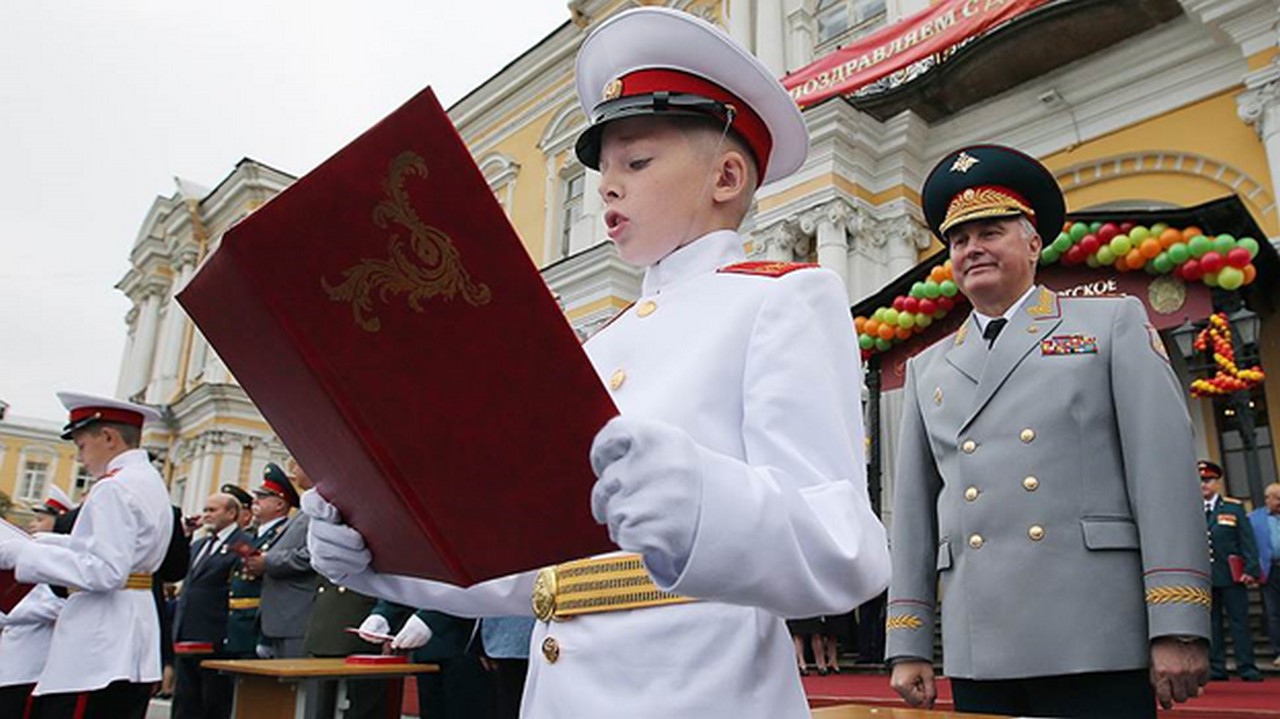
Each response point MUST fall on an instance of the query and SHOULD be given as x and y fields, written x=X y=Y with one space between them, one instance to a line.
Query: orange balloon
x=871 y=327
x=1170 y=237
x=902 y=333
x=1150 y=247
x=886 y=331
x=1250 y=272
x=1192 y=231
x=1135 y=259
x=859 y=325
x=1121 y=265
x=937 y=274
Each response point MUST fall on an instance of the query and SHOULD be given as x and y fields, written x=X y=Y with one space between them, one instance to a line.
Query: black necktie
x=993 y=330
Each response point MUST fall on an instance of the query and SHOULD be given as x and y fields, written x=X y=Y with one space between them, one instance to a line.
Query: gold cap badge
x=613 y=90
x=963 y=162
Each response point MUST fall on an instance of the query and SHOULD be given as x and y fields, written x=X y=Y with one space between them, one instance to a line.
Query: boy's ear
x=733 y=177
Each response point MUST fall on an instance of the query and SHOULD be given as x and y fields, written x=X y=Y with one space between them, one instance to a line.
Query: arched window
x=840 y=21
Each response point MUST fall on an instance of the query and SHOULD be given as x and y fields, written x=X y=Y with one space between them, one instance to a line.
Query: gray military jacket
x=1046 y=497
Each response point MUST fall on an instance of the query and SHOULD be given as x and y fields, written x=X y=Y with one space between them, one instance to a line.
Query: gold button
x=975 y=541
x=1031 y=484
x=1033 y=329
x=617 y=379
x=320 y=590
x=646 y=308
x=1027 y=435
x=969 y=446
x=551 y=649
x=341 y=590
x=1036 y=532
x=971 y=493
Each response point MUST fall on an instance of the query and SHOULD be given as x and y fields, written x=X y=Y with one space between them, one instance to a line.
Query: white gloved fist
x=337 y=551
x=649 y=491
x=374 y=624
x=9 y=549
x=415 y=633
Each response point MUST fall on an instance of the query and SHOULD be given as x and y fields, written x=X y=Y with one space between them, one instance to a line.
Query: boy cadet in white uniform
x=105 y=652
x=736 y=468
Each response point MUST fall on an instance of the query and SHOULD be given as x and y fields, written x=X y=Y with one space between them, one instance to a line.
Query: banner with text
x=897 y=46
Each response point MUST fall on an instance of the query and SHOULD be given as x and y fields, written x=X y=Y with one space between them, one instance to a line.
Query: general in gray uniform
x=1044 y=480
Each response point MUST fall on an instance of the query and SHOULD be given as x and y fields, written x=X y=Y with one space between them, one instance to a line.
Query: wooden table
x=283 y=688
x=866 y=711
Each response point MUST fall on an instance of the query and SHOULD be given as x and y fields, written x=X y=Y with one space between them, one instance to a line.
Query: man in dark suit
x=201 y=617
x=288 y=581
x=457 y=691
x=1230 y=535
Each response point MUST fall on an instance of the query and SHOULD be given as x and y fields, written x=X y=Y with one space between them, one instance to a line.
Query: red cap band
x=107 y=414
x=57 y=506
x=746 y=122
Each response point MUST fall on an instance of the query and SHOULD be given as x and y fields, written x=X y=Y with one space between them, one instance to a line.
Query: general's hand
x=374 y=624
x=255 y=564
x=913 y=681
x=1178 y=669
x=337 y=551
x=415 y=633
x=649 y=491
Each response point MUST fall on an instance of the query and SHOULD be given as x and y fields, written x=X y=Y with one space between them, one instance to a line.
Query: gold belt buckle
x=544 y=594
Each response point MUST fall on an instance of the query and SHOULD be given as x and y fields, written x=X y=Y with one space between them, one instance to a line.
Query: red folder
x=1236 y=563
x=389 y=324
x=11 y=590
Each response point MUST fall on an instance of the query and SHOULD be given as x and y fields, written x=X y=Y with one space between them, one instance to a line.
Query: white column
x=740 y=22
x=830 y=223
x=770 y=34
x=144 y=343
x=1259 y=106
x=164 y=374
x=779 y=241
x=126 y=361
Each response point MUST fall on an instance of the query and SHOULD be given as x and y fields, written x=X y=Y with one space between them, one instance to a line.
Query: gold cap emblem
x=963 y=162
x=613 y=90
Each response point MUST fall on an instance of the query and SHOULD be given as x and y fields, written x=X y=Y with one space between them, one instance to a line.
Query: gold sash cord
x=599 y=584
x=244 y=603
x=135 y=581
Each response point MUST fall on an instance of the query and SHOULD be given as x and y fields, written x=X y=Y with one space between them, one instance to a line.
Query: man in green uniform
x=245 y=597
x=1230 y=535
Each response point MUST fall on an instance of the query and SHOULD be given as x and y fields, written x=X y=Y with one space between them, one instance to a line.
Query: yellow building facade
x=33 y=457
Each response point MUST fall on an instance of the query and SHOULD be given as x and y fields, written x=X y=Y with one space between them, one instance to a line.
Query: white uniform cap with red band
x=56 y=503
x=86 y=409
x=631 y=55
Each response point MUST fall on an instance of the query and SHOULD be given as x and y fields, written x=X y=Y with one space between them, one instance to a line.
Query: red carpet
x=1221 y=700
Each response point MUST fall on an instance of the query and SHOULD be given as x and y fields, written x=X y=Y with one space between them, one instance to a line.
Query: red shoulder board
x=767 y=269
x=110 y=474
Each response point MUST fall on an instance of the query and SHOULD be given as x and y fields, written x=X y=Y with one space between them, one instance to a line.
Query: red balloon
x=1126 y=226
x=928 y=306
x=1211 y=262
x=1238 y=257
x=1191 y=270
x=911 y=304
x=1076 y=254
x=1106 y=232
x=1089 y=244
x=946 y=303
x=899 y=303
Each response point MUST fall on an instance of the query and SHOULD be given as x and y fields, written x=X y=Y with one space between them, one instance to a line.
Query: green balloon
x=1222 y=244
x=1104 y=255
x=1137 y=235
x=1225 y=236
x=1178 y=253
x=1230 y=278
x=1120 y=245
x=1249 y=244
x=917 y=290
x=1092 y=261
x=1061 y=244
x=923 y=320
x=1049 y=256
x=1161 y=263
x=906 y=320
x=1078 y=230
x=1159 y=228
x=891 y=316
x=1095 y=226
x=1211 y=279
x=865 y=342
x=883 y=344
x=948 y=288
x=932 y=290
x=1199 y=245
x=878 y=315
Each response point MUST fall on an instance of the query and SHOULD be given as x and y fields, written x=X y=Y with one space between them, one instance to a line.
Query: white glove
x=374 y=624
x=337 y=551
x=9 y=549
x=412 y=635
x=649 y=491
x=264 y=651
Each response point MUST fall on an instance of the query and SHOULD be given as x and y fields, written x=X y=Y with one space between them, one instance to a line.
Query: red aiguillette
x=389 y=323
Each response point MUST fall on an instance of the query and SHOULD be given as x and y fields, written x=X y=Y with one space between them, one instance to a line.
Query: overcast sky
x=103 y=103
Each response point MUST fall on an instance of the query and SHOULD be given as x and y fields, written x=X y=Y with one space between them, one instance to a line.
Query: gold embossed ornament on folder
x=426 y=267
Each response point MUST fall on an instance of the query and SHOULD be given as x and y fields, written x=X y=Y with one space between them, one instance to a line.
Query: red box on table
x=389 y=324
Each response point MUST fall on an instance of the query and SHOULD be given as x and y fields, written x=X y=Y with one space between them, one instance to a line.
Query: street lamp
x=1244 y=326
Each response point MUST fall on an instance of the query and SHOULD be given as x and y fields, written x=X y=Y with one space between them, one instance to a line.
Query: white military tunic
x=25 y=636
x=105 y=633
x=763 y=374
